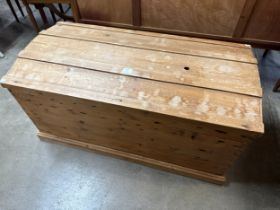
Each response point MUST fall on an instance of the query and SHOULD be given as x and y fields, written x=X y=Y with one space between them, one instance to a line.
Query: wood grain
x=214 y=19
x=136 y=12
x=114 y=127
x=264 y=23
x=244 y=18
x=204 y=16
x=106 y=10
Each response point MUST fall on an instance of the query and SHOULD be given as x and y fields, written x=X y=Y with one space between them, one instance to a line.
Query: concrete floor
x=40 y=175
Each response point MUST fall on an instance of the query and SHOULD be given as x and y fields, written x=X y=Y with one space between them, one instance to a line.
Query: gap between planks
x=187 y=40
x=86 y=94
x=154 y=34
x=146 y=48
x=139 y=77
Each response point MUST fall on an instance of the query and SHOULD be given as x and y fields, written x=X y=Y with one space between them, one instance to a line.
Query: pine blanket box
x=186 y=105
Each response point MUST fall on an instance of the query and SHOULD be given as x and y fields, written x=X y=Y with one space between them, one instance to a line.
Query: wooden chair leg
x=61 y=8
x=277 y=86
x=53 y=15
x=31 y=16
x=58 y=13
x=12 y=9
x=40 y=7
x=19 y=7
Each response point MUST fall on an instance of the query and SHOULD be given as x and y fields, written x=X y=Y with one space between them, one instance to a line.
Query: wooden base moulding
x=216 y=179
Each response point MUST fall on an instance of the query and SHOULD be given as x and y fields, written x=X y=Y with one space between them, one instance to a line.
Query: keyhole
x=186 y=68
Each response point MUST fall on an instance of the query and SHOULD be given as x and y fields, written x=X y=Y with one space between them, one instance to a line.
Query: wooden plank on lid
x=192 y=103
x=155 y=41
x=211 y=73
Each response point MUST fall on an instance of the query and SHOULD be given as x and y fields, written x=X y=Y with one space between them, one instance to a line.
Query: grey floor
x=41 y=175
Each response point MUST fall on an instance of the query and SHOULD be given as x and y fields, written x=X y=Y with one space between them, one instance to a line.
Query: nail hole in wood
x=194 y=135
x=199 y=158
x=219 y=131
x=187 y=68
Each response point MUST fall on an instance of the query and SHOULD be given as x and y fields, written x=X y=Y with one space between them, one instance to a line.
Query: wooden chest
x=183 y=104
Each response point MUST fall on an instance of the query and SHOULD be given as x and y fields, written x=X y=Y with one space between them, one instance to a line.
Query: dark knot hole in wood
x=187 y=68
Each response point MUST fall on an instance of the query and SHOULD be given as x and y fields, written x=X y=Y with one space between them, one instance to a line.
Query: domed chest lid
x=197 y=79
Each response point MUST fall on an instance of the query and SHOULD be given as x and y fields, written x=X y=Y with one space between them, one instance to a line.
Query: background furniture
x=254 y=22
x=40 y=5
x=13 y=10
